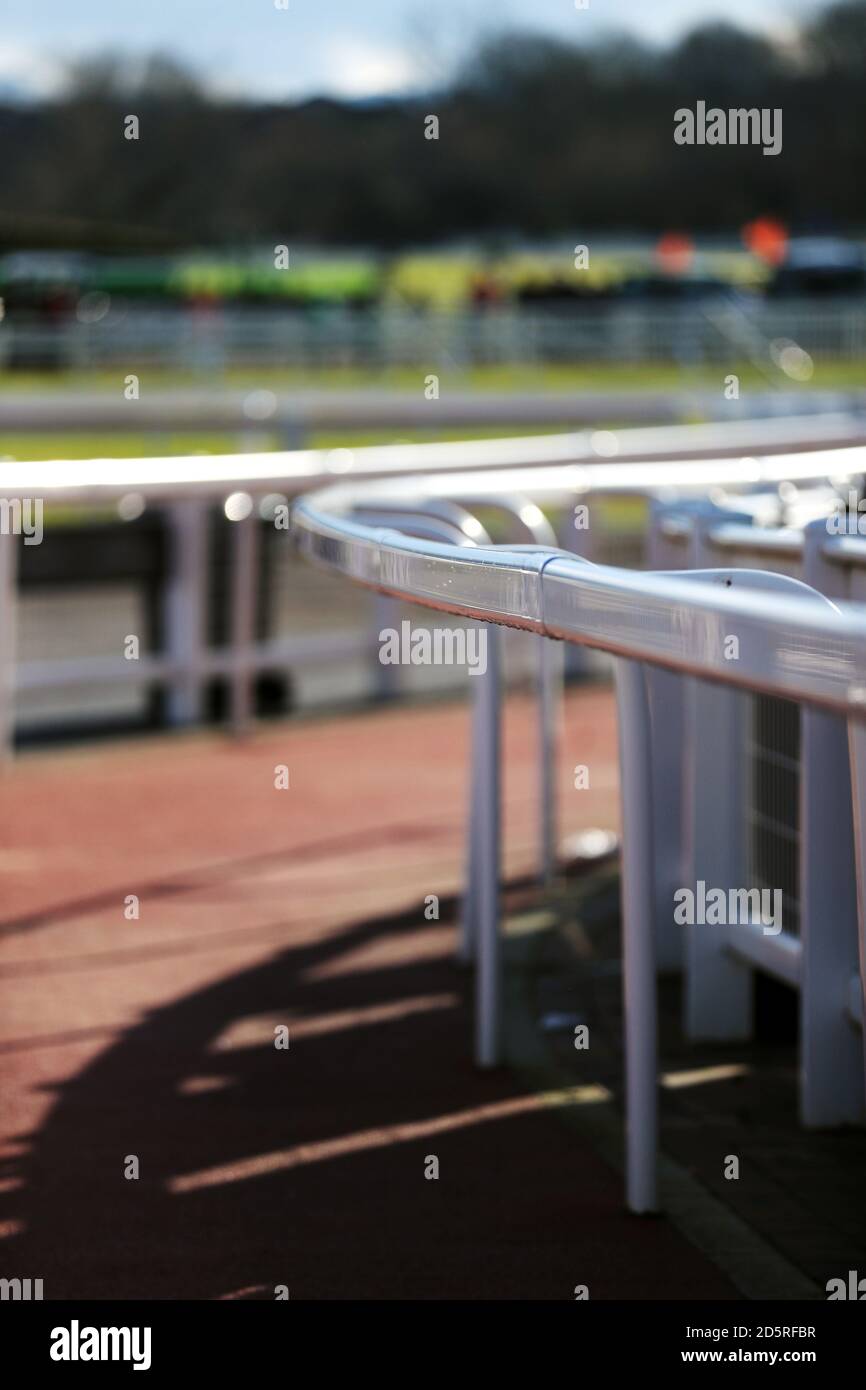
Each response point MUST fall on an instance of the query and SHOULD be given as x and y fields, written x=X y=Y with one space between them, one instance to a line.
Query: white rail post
x=638 y=938
x=550 y=657
x=469 y=905
x=719 y=990
x=577 y=661
x=857 y=746
x=387 y=612
x=8 y=638
x=488 y=971
x=466 y=945
x=667 y=697
x=550 y=673
x=184 y=607
x=244 y=586
x=832 y=1090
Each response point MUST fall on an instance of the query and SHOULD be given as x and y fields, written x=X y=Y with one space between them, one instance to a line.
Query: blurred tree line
x=536 y=136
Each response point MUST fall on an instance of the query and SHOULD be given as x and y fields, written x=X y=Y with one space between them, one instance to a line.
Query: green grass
x=830 y=373
x=28 y=447
x=107 y=445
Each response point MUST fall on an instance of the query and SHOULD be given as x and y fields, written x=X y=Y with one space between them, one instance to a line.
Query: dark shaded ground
x=154 y=1038
x=799 y=1191
x=520 y=1209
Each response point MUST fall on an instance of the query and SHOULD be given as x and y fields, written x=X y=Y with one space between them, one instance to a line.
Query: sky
x=354 y=48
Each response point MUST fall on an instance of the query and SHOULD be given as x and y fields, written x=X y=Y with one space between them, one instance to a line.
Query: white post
x=550 y=669
x=184 y=607
x=832 y=1090
x=488 y=974
x=857 y=744
x=244 y=577
x=466 y=944
x=386 y=613
x=666 y=696
x=8 y=624
x=577 y=660
x=719 y=990
x=638 y=938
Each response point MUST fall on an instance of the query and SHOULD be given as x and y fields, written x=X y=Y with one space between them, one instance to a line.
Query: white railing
x=658 y=627
x=790 y=643
x=556 y=468
x=814 y=829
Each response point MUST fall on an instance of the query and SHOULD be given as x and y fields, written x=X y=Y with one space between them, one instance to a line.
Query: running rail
x=683 y=459
x=790 y=643
x=679 y=621
x=690 y=456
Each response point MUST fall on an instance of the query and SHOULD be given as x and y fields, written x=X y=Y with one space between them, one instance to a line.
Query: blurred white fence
x=209 y=340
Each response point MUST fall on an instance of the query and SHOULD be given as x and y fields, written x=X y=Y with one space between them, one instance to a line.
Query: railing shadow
x=305 y=1167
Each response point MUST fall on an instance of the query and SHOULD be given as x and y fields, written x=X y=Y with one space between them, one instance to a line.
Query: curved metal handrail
x=676 y=621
